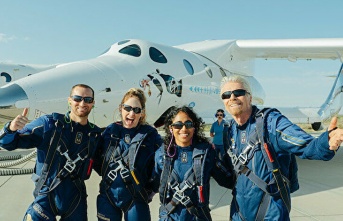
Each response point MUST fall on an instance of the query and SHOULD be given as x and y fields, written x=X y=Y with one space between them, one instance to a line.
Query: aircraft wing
x=237 y=55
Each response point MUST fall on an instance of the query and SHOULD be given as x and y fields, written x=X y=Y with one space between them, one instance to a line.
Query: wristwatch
x=5 y=130
x=7 y=126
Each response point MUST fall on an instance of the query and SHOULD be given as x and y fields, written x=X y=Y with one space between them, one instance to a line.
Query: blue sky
x=47 y=32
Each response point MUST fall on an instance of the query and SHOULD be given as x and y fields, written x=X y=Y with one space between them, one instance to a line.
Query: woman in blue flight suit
x=184 y=167
x=125 y=160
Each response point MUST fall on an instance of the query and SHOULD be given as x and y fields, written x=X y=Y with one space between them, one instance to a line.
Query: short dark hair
x=220 y=110
x=83 y=86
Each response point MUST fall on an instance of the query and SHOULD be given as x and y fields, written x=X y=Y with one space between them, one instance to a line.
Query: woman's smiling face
x=183 y=136
x=130 y=118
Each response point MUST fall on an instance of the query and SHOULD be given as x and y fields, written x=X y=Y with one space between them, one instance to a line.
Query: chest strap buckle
x=120 y=167
x=70 y=164
x=179 y=194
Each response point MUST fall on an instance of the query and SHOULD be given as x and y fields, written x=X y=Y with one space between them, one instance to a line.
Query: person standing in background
x=216 y=132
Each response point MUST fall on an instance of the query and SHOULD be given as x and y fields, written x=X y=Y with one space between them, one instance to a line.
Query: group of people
x=135 y=163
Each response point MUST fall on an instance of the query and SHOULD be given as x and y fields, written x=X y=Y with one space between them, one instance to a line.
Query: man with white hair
x=262 y=147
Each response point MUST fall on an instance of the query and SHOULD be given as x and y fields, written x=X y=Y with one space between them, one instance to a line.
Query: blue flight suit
x=120 y=195
x=67 y=198
x=181 y=168
x=217 y=129
x=285 y=138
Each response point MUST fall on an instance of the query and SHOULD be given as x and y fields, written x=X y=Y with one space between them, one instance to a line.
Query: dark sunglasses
x=219 y=115
x=128 y=108
x=78 y=98
x=237 y=93
x=178 y=125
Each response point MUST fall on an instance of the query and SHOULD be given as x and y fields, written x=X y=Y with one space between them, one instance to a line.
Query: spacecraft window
x=188 y=67
x=133 y=50
x=7 y=76
x=208 y=71
x=157 y=56
x=123 y=42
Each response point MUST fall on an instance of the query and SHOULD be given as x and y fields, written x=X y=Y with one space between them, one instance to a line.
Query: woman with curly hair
x=184 y=166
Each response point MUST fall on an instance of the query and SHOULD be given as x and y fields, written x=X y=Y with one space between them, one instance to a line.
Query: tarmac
x=320 y=196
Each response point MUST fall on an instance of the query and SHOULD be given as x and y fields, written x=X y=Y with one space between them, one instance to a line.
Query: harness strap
x=263 y=207
x=278 y=177
x=135 y=175
x=271 y=160
x=181 y=190
x=112 y=151
x=75 y=202
x=49 y=157
x=128 y=172
x=262 y=210
x=134 y=148
x=110 y=154
x=269 y=156
x=282 y=188
x=167 y=168
x=179 y=196
x=69 y=167
x=268 y=153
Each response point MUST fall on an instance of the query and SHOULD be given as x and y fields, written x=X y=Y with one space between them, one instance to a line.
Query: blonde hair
x=136 y=92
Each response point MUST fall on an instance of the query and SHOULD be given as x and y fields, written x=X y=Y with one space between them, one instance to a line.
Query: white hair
x=237 y=79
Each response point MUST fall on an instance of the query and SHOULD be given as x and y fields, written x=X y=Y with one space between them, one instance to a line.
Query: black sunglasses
x=237 y=93
x=178 y=125
x=128 y=108
x=219 y=115
x=78 y=98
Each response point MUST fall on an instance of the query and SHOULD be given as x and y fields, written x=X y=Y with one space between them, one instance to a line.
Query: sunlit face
x=183 y=136
x=130 y=118
x=236 y=106
x=80 y=109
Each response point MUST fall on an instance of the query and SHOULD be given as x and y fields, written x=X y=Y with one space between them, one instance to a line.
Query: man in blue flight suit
x=256 y=195
x=65 y=147
x=216 y=132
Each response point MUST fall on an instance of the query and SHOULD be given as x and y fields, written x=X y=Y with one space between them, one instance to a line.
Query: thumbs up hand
x=20 y=121
x=335 y=134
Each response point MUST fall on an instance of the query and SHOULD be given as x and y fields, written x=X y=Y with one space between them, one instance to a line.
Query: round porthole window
x=188 y=67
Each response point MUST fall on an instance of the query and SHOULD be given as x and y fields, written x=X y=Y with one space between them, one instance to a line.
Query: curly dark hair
x=199 y=135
